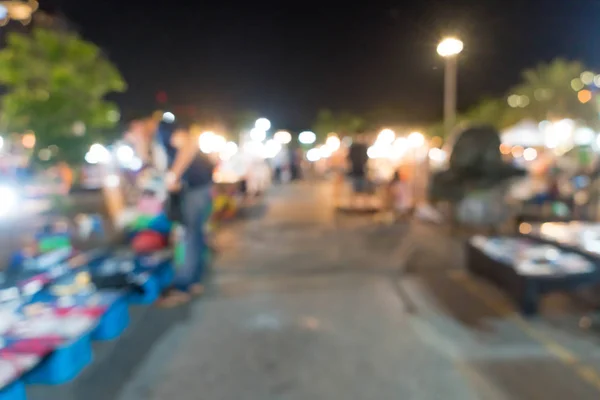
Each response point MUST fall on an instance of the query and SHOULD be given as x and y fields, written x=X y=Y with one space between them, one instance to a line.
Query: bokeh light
x=262 y=124
x=313 y=155
x=307 y=137
x=584 y=96
x=257 y=134
x=283 y=137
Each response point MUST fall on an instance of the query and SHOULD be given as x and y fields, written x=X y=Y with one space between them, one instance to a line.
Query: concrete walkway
x=307 y=304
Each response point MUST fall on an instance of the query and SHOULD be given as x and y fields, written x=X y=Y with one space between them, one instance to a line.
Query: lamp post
x=449 y=48
x=416 y=140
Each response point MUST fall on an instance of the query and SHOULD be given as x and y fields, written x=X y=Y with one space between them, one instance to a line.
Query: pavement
x=305 y=303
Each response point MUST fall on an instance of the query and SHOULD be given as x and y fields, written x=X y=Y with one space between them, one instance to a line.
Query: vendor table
x=53 y=345
x=527 y=288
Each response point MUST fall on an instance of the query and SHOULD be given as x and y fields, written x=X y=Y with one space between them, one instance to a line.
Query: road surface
x=307 y=304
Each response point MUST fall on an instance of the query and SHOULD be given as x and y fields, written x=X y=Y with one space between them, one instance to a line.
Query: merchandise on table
x=581 y=235
x=531 y=258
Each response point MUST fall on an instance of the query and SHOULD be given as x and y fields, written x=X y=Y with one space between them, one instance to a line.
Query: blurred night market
x=385 y=201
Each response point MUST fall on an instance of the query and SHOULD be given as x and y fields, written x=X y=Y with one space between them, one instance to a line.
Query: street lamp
x=18 y=10
x=449 y=48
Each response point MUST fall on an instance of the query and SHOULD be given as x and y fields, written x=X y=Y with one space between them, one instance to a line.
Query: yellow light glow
x=517 y=151
x=333 y=142
x=416 y=139
x=283 y=137
x=29 y=140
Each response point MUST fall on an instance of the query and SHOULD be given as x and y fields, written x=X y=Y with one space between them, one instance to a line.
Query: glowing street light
x=450 y=48
x=18 y=10
x=283 y=137
x=263 y=124
x=307 y=137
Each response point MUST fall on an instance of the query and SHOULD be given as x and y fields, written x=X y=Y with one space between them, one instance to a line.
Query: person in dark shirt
x=190 y=173
x=358 y=159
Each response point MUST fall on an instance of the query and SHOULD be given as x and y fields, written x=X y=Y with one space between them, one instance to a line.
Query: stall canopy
x=525 y=133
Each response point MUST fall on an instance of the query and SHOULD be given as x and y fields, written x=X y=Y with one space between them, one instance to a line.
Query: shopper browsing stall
x=189 y=176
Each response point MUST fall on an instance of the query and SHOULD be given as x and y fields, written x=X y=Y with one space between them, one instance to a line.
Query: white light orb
x=386 y=136
x=313 y=155
x=450 y=47
x=529 y=154
x=100 y=154
x=258 y=135
x=205 y=142
x=218 y=143
x=229 y=151
x=263 y=124
x=272 y=148
x=283 y=137
x=168 y=117
x=333 y=143
x=416 y=139
x=90 y=158
x=437 y=155
x=9 y=199
x=324 y=151
x=307 y=137
x=125 y=154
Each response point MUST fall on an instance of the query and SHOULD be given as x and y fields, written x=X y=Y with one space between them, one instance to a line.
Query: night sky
x=286 y=60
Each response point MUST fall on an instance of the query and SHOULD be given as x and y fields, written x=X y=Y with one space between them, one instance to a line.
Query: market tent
x=525 y=133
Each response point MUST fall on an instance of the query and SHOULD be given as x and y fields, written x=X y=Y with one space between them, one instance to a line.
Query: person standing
x=358 y=159
x=190 y=173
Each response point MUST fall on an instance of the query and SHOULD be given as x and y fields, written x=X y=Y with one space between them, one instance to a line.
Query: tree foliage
x=545 y=93
x=550 y=94
x=56 y=81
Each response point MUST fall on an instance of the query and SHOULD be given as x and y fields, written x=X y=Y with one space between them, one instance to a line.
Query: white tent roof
x=525 y=133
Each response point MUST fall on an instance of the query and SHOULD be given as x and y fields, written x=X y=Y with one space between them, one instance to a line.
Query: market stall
x=545 y=258
x=54 y=304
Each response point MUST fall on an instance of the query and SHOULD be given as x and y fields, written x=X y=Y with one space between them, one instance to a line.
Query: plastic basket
x=165 y=275
x=113 y=322
x=14 y=391
x=64 y=364
x=149 y=293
